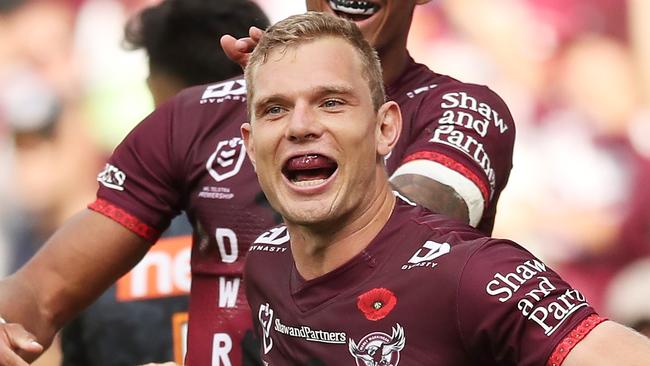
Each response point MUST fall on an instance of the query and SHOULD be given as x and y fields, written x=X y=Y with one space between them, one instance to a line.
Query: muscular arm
x=431 y=194
x=78 y=263
x=610 y=344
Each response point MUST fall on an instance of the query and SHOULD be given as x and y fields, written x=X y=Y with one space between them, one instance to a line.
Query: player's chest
x=392 y=323
x=225 y=203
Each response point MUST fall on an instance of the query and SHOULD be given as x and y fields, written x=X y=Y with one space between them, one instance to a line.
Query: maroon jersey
x=188 y=156
x=426 y=291
x=459 y=134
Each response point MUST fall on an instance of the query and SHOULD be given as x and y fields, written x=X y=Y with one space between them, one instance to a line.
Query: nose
x=303 y=124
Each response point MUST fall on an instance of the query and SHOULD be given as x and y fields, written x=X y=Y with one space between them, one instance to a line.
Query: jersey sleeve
x=139 y=187
x=514 y=308
x=463 y=137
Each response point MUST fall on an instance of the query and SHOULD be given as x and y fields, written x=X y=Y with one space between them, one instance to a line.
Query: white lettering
x=514 y=280
x=499 y=290
x=182 y=274
x=221 y=346
x=220 y=90
x=231 y=255
x=545 y=288
x=434 y=251
x=448 y=135
x=275 y=236
x=228 y=292
x=450 y=99
x=160 y=262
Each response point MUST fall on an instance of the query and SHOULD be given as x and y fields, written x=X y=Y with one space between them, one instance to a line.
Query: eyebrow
x=333 y=89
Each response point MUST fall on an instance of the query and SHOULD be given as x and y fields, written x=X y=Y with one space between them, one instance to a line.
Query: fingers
x=9 y=358
x=239 y=50
x=14 y=339
x=255 y=34
x=231 y=49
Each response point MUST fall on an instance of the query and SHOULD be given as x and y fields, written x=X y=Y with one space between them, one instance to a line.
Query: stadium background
x=575 y=73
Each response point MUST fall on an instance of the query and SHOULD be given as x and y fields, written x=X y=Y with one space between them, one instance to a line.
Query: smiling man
x=357 y=275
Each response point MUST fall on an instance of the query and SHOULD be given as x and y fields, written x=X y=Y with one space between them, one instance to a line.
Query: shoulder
x=268 y=254
x=223 y=95
x=428 y=240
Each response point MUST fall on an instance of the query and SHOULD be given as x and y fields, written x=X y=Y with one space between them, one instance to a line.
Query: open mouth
x=353 y=9
x=309 y=170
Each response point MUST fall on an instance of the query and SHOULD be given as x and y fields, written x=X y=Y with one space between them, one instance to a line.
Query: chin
x=308 y=216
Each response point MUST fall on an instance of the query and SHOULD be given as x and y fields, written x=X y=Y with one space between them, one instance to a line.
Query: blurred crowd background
x=575 y=74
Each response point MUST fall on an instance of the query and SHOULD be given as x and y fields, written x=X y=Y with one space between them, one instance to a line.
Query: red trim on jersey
x=125 y=219
x=573 y=338
x=453 y=165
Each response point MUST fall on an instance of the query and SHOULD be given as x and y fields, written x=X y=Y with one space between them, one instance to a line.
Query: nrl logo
x=379 y=349
x=227 y=158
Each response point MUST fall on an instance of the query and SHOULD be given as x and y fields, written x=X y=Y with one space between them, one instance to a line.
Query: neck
x=394 y=61
x=322 y=249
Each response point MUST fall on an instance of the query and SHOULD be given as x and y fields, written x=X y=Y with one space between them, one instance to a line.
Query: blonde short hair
x=299 y=29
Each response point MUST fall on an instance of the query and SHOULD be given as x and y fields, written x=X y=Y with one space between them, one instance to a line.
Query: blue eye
x=330 y=103
x=274 y=110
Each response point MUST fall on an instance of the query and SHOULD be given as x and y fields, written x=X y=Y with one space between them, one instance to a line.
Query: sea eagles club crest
x=379 y=349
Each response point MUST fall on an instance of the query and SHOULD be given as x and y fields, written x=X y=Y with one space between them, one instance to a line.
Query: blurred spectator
x=628 y=296
x=577 y=82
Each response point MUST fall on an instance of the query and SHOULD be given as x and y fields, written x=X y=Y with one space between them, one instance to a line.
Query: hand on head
x=239 y=50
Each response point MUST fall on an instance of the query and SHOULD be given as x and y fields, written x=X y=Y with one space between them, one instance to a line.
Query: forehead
x=309 y=65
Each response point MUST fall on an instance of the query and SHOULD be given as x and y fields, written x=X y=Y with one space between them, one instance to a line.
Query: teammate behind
x=337 y=284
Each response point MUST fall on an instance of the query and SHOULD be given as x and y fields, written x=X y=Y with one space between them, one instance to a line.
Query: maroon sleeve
x=516 y=309
x=464 y=138
x=138 y=186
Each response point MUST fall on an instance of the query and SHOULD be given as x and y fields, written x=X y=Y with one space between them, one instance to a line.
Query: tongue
x=308 y=162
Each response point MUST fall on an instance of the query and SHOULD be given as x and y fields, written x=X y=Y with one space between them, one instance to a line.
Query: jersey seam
x=462 y=273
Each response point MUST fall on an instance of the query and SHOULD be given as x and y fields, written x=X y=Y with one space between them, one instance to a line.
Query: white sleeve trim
x=463 y=186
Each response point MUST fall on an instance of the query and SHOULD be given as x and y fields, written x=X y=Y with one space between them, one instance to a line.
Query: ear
x=246 y=132
x=389 y=127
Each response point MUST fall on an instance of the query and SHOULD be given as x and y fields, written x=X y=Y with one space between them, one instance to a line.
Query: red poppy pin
x=376 y=303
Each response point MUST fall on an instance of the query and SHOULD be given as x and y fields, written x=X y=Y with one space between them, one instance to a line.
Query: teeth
x=309 y=183
x=354 y=7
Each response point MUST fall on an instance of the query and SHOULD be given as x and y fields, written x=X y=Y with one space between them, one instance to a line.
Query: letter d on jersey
x=430 y=251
